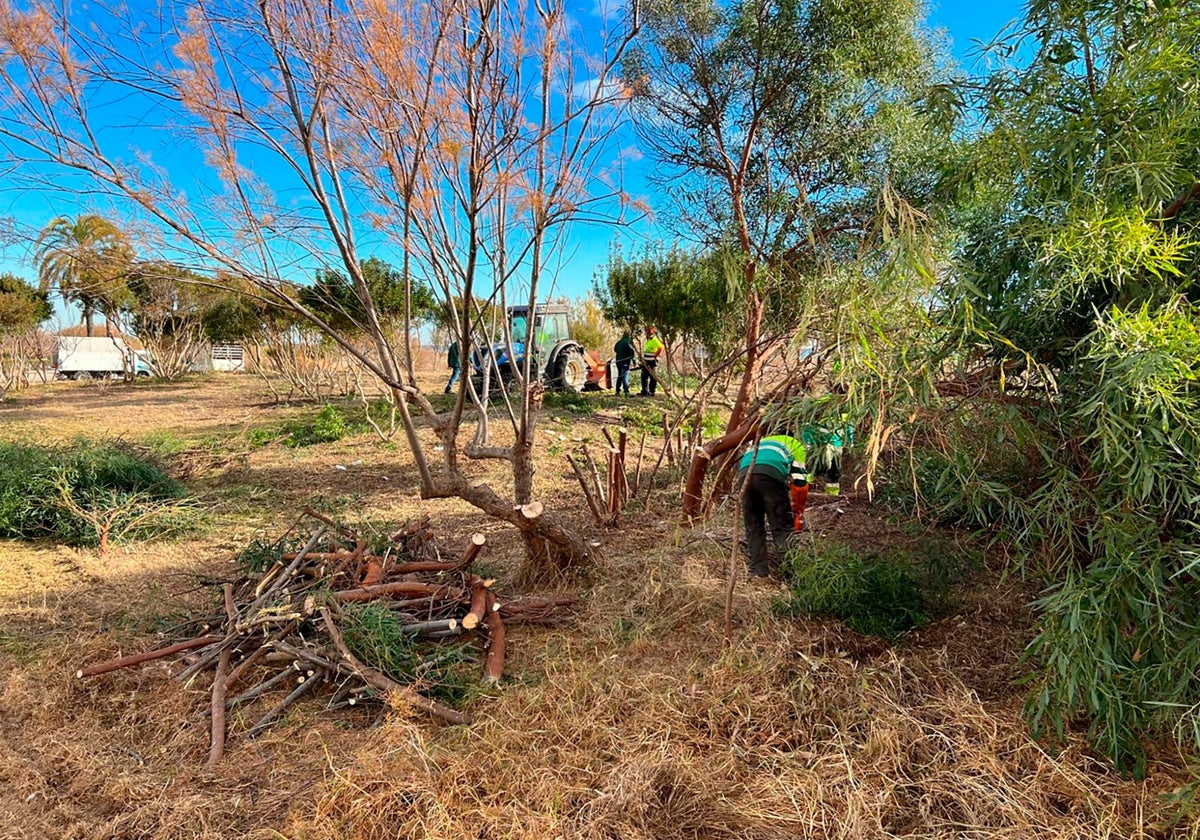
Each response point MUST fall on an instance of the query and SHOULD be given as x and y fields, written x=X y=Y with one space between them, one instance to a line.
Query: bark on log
x=441 y=625
x=478 y=541
x=479 y=603
x=269 y=718
x=216 y=748
x=493 y=664
x=404 y=588
x=385 y=683
x=374 y=573
x=693 y=490
x=148 y=656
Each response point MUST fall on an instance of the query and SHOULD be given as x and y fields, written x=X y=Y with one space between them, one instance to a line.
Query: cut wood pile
x=341 y=619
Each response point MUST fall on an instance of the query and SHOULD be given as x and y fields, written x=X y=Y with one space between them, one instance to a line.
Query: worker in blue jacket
x=775 y=482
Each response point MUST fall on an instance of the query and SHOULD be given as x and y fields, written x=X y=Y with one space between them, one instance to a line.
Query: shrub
x=568 y=400
x=870 y=594
x=876 y=593
x=80 y=493
x=326 y=426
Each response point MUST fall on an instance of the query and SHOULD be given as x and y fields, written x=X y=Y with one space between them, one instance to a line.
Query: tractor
x=559 y=360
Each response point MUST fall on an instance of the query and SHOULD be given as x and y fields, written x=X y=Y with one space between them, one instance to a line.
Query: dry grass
x=636 y=723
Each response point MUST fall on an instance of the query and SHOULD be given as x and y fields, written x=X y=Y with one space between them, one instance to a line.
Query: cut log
x=532 y=510
x=406 y=589
x=493 y=664
x=470 y=554
x=479 y=602
x=148 y=656
x=421 y=627
x=216 y=748
x=374 y=573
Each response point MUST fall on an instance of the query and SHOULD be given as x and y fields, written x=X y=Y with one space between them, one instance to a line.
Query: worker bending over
x=775 y=484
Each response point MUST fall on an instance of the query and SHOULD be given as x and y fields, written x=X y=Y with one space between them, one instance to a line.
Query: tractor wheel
x=570 y=370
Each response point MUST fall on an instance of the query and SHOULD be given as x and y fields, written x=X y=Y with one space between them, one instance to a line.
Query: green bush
x=572 y=401
x=326 y=426
x=869 y=593
x=331 y=423
x=40 y=485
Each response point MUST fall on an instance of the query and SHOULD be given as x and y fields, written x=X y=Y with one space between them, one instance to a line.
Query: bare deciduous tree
x=463 y=134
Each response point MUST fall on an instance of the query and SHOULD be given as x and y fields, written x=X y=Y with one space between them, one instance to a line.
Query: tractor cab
x=550 y=328
x=558 y=360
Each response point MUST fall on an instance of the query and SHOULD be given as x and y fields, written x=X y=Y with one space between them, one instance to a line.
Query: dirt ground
x=635 y=721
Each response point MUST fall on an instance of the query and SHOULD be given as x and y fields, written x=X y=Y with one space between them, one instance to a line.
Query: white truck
x=97 y=357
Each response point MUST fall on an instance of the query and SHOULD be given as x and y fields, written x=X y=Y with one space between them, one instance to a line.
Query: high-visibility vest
x=652 y=348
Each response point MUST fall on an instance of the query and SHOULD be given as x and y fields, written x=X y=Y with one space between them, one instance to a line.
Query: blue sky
x=961 y=22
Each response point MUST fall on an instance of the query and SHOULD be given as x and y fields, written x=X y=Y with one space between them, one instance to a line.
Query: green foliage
x=336 y=300
x=326 y=426
x=22 y=307
x=1118 y=646
x=1078 y=194
x=86 y=259
x=572 y=401
x=642 y=417
x=871 y=594
x=373 y=633
x=97 y=477
x=329 y=424
x=682 y=294
x=1068 y=321
x=591 y=328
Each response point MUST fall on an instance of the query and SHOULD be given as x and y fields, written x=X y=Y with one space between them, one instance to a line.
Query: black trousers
x=649 y=383
x=766 y=498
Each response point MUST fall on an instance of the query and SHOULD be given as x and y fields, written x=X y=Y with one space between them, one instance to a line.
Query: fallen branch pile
x=361 y=625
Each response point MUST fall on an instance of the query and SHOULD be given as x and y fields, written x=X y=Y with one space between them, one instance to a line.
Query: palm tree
x=85 y=258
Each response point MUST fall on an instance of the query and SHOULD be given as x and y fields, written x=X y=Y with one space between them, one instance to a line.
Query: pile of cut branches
x=353 y=621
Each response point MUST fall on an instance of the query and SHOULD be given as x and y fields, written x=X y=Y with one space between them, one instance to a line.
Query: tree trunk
x=551 y=545
x=698 y=468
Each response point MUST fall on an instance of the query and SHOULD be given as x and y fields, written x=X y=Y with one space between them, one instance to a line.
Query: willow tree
x=1077 y=267
x=464 y=134
x=772 y=121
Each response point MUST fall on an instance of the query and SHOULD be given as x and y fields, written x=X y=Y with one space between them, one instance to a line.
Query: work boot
x=832 y=489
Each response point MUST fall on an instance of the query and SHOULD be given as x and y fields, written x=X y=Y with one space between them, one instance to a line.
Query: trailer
x=97 y=357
